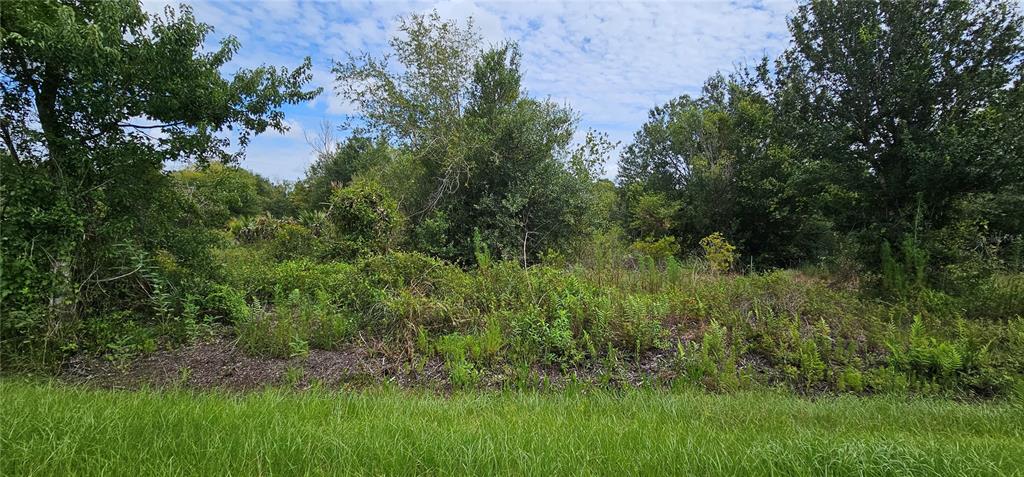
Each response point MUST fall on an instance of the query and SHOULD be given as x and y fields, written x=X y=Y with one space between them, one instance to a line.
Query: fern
x=947 y=359
x=812 y=368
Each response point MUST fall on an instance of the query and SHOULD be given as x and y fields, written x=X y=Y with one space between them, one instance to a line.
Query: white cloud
x=294 y=131
x=490 y=25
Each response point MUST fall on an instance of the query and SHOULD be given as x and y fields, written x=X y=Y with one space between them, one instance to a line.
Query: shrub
x=657 y=250
x=430 y=236
x=363 y=219
x=258 y=277
x=397 y=270
x=295 y=323
x=719 y=253
x=249 y=230
x=292 y=241
x=405 y=312
x=227 y=304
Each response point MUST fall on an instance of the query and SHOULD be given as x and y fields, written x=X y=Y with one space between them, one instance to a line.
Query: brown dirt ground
x=219 y=363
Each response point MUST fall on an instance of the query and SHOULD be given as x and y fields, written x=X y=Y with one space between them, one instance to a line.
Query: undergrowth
x=677 y=322
x=661 y=322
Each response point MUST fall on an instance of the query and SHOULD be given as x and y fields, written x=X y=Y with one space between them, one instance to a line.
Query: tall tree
x=720 y=163
x=893 y=85
x=490 y=157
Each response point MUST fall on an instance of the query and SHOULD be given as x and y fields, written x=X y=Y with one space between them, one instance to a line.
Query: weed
x=293 y=375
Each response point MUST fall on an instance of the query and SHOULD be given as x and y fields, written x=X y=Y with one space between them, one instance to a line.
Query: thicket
x=846 y=217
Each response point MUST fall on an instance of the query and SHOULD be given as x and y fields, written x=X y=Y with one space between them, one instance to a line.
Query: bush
x=719 y=253
x=294 y=324
x=258 y=277
x=397 y=270
x=292 y=241
x=657 y=250
x=248 y=230
x=363 y=219
x=226 y=304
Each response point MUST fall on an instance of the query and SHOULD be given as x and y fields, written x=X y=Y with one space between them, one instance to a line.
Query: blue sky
x=611 y=61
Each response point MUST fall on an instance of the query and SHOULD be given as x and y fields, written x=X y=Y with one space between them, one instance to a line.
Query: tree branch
x=151 y=126
x=110 y=279
x=9 y=140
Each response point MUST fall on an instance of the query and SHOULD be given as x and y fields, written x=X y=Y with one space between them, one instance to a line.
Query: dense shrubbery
x=681 y=323
x=480 y=235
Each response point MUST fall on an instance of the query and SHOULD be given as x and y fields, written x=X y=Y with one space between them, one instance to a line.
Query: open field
x=48 y=429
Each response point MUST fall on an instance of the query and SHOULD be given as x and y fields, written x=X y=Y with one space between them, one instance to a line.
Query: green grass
x=50 y=429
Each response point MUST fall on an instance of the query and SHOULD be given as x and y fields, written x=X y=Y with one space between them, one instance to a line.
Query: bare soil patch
x=218 y=363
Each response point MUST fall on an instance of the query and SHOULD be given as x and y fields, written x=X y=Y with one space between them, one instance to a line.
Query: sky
x=610 y=61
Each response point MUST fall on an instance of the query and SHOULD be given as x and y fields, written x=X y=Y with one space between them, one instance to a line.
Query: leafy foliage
x=84 y=195
x=719 y=253
x=363 y=219
x=465 y=225
x=487 y=157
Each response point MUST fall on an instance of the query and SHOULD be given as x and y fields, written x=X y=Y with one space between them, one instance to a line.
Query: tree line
x=883 y=142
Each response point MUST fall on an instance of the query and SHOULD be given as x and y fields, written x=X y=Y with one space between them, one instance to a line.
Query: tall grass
x=48 y=429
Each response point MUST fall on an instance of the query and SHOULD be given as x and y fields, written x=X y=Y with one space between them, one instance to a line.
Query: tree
x=97 y=97
x=222 y=191
x=899 y=97
x=721 y=163
x=486 y=156
x=421 y=108
x=335 y=167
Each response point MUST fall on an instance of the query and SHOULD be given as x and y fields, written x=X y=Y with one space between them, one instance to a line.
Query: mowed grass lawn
x=52 y=429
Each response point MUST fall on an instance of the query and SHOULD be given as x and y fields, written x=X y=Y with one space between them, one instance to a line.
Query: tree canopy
x=490 y=158
x=883 y=120
x=883 y=144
